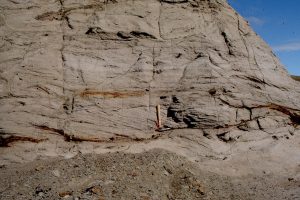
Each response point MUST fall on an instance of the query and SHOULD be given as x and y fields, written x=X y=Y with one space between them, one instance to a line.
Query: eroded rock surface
x=94 y=71
x=80 y=77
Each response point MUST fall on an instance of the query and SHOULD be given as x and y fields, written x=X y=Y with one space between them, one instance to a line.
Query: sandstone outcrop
x=95 y=70
x=81 y=77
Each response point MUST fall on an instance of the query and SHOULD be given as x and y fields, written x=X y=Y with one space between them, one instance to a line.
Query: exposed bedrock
x=95 y=70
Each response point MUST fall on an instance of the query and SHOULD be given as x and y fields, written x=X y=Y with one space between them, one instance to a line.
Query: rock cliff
x=81 y=77
x=94 y=71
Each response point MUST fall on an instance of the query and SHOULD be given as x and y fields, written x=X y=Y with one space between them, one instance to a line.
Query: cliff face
x=95 y=70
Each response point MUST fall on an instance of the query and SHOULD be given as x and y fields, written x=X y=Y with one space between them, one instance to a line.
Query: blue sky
x=278 y=23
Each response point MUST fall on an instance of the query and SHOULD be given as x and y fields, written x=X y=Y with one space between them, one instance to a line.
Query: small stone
x=39 y=191
x=198 y=186
x=38 y=168
x=56 y=173
x=41 y=194
x=65 y=194
x=97 y=190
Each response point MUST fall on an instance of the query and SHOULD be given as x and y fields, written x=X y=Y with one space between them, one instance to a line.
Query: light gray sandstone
x=94 y=71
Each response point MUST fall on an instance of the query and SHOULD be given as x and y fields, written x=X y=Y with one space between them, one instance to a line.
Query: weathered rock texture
x=95 y=70
x=85 y=76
